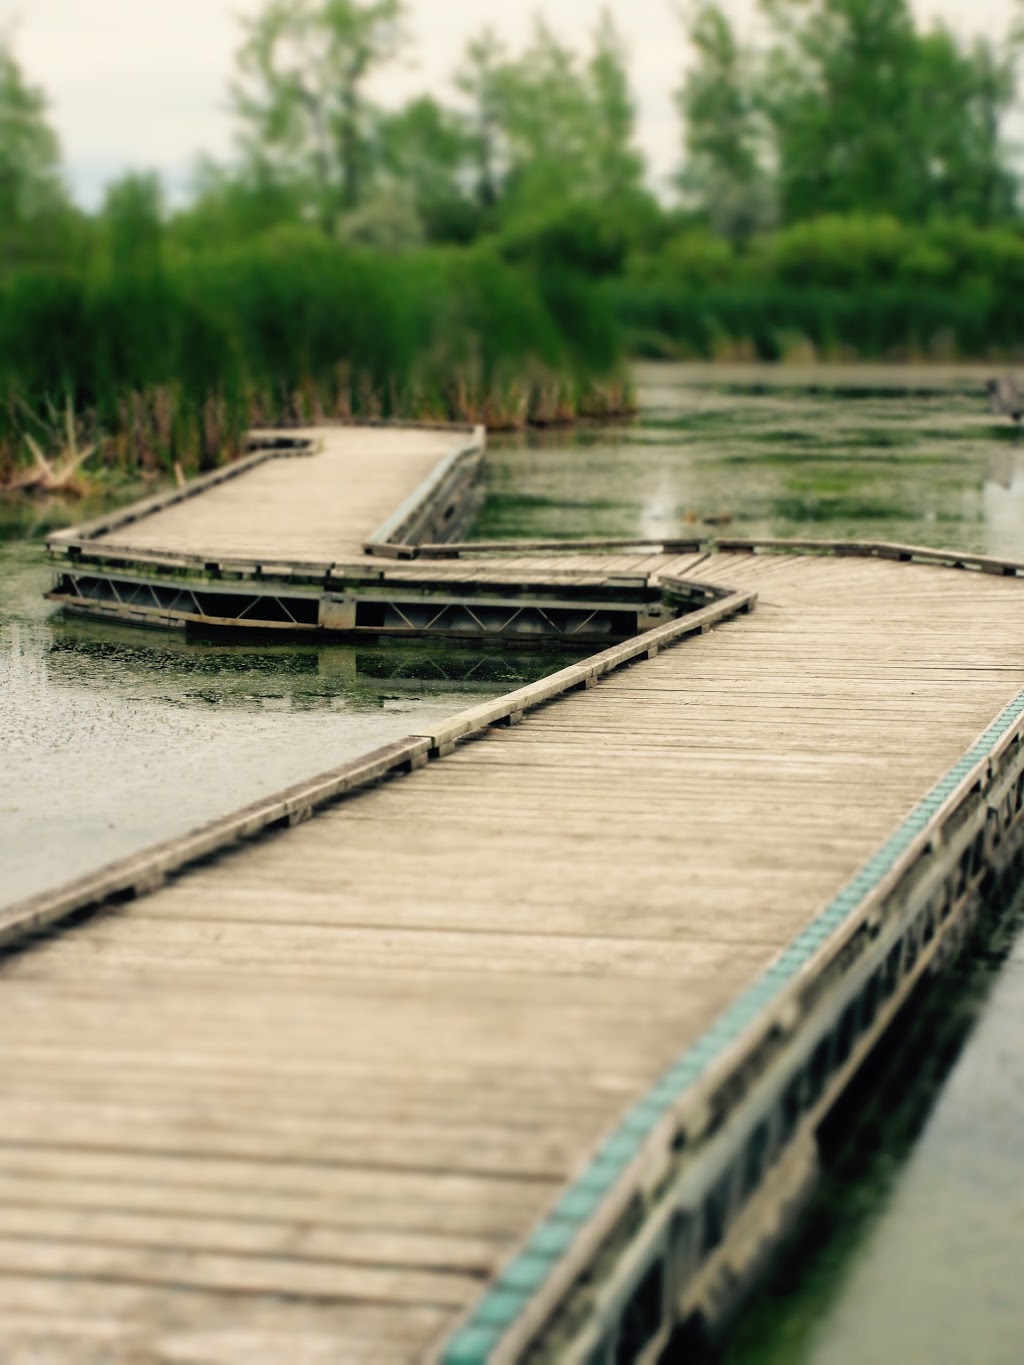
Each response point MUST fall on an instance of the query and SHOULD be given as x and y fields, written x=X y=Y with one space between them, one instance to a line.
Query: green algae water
x=110 y=738
x=858 y=453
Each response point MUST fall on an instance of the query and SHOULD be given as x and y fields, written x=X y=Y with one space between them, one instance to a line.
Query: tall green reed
x=172 y=359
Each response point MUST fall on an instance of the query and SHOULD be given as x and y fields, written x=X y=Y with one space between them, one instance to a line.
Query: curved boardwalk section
x=333 y=1096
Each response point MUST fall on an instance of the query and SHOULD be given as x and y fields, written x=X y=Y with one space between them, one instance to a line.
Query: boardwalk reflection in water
x=118 y=737
x=912 y=1249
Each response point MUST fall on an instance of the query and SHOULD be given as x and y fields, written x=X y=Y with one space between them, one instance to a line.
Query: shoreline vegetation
x=173 y=364
x=835 y=289
x=497 y=253
x=132 y=372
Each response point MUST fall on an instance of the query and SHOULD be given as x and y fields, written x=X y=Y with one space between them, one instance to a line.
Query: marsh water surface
x=910 y=456
x=113 y=738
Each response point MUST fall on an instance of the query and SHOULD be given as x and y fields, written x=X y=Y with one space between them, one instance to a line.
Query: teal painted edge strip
x=509 y=1296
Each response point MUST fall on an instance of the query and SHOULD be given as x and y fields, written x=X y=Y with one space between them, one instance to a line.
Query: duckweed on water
x=825 y=509
x=888 y=466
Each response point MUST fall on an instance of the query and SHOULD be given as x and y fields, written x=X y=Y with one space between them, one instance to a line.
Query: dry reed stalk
x=61 y=474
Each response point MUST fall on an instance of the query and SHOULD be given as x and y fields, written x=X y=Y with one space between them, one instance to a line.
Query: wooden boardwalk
x=393 y=1084
x=349 y=483
x=291 y=539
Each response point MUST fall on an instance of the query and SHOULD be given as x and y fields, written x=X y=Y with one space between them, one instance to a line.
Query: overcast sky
x=141 y=84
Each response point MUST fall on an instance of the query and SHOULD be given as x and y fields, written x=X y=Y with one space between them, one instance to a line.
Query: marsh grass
x=171 y=364
x=798 y=324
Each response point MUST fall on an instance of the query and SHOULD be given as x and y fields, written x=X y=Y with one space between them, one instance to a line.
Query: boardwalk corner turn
x=540 y=1078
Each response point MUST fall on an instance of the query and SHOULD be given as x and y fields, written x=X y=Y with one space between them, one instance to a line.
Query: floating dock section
x=510 y=1042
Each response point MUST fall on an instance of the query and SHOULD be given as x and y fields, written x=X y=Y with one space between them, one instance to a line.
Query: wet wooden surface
x=301 y=1104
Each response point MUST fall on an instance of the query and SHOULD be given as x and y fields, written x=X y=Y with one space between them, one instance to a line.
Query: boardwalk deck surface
x=303 y=536
x=303 y=1103
x=531 y=569
x=318 y=512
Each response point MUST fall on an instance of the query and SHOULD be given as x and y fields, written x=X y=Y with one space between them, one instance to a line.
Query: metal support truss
x=405 y=612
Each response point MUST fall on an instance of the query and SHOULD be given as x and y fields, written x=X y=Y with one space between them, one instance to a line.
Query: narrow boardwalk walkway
x=291 y=539
x=319 y=508
x=303 y=1103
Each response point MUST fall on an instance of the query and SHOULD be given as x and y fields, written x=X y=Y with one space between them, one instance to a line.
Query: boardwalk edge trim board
x=443 y=506
x=664 y=1205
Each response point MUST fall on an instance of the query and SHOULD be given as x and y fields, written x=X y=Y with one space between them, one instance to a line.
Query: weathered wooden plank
x=394 y=1031
x=74 y=1304
x=514 y=704
x=265 y=509
x=288 y=1276
x=159 y=502
x=139 y=873
x=679 y=546
x=882 y=549
x=332 y=1246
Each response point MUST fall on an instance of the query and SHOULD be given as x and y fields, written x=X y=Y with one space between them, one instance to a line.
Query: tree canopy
x=550 y=126
x=300 y=95
x=848 y=106
x=32 y=194
x=826 y=108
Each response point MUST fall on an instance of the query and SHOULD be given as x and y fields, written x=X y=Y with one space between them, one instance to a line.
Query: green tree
x=232 y=205
x=301 y=97
x=550 y=129
x=724 y=174
x=481 y=80
x=543 y=108
x=868 y=113
x=132 y=220
x=430 y=151
x=618 y=164
x=963 y=97
x=838 y=90
x=847 y=108
x=33 y=201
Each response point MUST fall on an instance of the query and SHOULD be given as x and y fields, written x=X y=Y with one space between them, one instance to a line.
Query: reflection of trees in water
x=1000 y=469
x=1004 y=459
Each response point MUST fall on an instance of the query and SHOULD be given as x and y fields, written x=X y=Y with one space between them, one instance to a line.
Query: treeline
x=830 y=288
x=845 y=186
